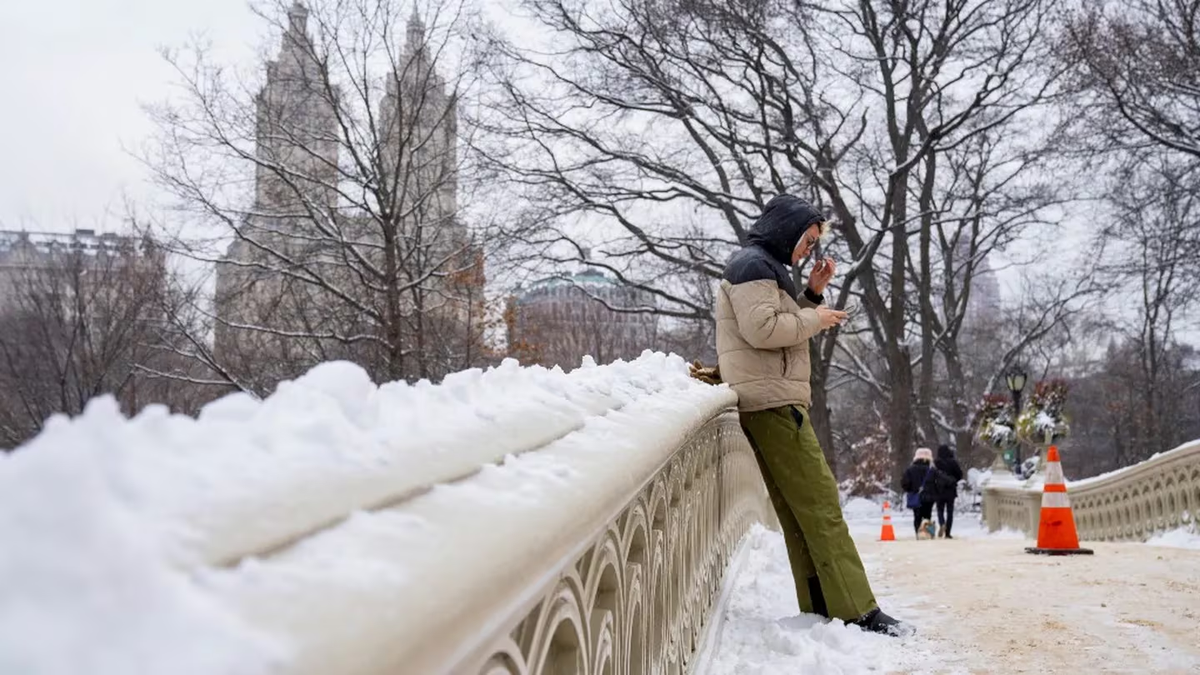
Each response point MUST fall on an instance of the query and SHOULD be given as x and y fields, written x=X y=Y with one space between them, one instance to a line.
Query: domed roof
x=585 y=278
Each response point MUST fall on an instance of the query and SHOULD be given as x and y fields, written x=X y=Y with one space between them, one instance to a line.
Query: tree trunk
x=900 y=407
x=964 y=436
x=392 y=326
x=964 y=445
x=925 y=390
x=419 y=313
x=819 y=413
x=900 y=413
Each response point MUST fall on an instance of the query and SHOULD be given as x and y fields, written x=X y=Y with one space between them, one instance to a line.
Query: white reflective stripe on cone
x=1055 y=500
x=1054 y=474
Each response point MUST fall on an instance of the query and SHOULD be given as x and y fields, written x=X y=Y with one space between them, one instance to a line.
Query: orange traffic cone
x=1056 y=532
x=887 y=533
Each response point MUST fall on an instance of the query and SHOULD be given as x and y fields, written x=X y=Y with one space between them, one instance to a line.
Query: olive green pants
x=829 y=575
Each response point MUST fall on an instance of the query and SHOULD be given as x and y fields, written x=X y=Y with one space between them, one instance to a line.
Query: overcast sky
x=73 y=74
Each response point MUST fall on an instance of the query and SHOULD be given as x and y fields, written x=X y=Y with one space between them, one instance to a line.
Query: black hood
x=782 y=223
x=945 y=452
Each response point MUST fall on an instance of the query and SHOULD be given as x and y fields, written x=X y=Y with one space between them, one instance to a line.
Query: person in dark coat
x=945 y=492
x=912 y=482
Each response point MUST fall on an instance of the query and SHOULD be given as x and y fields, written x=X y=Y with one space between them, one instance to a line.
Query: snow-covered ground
x=865 y=518
x=1183 y=537
x=979 y=604
x=761 y=632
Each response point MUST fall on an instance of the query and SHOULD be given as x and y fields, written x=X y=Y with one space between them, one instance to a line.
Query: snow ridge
x=112 y=529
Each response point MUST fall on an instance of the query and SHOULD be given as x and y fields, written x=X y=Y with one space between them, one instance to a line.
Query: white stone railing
x=600 y=553
x=519 y=521
x=618 y=577
x=1011 y=506
x=1131 y=504
x=639 y=596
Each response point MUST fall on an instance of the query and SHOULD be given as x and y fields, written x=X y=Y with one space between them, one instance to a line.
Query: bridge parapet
x=601 y=553
x=1131 y=504
x=635 y=596
x=515 y=522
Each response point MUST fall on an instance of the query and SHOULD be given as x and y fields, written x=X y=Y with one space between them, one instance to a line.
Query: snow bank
x=977 y=478
x=87 y=586
x=478 y=549
x=1181 y=538
x=111 y=527
x=861 y=508
x=761 y=630
x=249 y=475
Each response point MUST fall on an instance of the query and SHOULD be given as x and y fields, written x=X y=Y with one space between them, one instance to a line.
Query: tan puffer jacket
x=762 y=344
x=763 y=324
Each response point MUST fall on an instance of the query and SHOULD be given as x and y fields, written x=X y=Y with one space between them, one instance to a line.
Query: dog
x=926 y=531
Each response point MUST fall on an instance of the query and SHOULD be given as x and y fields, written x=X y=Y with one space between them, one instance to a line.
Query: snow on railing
x=1131 y=504
x=519 y=520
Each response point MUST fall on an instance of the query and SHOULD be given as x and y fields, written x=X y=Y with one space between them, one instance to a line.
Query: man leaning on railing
x=763 y=328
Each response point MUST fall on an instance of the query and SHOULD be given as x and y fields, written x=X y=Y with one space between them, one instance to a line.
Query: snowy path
x=980 y=604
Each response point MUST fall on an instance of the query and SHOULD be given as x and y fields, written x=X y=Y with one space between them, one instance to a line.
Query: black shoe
x=948 y=536
x=876 y=621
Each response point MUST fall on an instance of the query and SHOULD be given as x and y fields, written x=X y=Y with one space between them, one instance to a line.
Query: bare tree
x=1137 y=108
x=1137 y=69
x=653 y=131
x=340 y=188
x=80 y=316
x=1151 y=254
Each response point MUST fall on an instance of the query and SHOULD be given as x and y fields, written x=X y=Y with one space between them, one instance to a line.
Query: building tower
x=290 y=295
x=419 y=130
x=983 y=307
x=296 y=140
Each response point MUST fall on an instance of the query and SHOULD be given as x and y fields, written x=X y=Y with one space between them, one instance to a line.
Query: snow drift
x=129 y=545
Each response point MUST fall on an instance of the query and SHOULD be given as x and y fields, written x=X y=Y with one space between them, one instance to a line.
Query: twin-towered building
x=354 y=247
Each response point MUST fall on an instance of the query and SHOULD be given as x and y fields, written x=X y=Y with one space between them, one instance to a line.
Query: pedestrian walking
x=913 y=483
x=948 y=474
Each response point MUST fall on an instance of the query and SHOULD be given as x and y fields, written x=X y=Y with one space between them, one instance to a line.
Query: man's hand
x=830 y=317
x=822 y=273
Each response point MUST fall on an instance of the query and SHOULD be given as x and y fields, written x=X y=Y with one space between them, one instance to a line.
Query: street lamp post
x=1016 y=383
